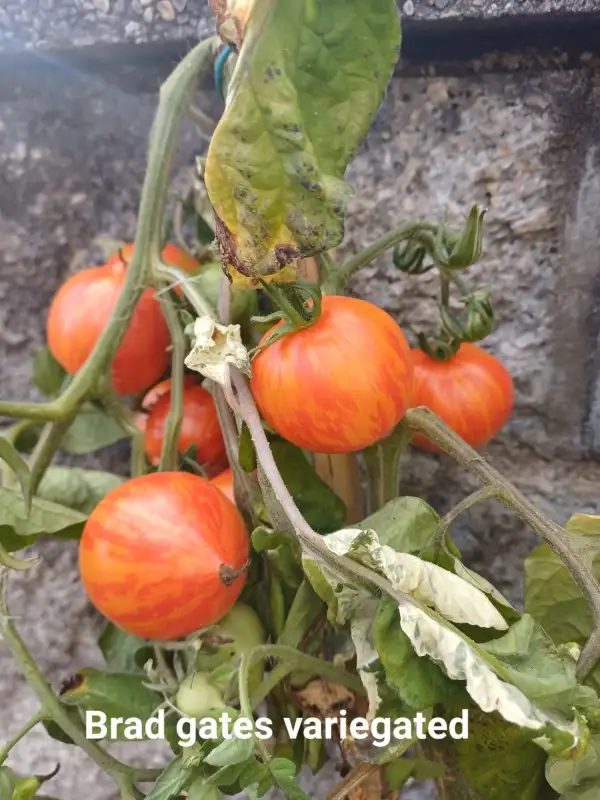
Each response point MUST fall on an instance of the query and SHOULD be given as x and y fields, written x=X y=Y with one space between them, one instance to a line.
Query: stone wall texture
x=516 y=131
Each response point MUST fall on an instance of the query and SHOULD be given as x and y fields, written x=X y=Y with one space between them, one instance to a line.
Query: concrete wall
x=493 y=102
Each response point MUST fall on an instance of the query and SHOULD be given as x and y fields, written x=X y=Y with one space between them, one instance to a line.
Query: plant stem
x=480 y=496
x=178 y=277
x=46 y=447
x=352 y=781
x=424 y=421
x=35 y=720
x=382 y=461
x=12 y=562
x=126 y=420
x=51 y=707
x=169 y=457
x=340 y=274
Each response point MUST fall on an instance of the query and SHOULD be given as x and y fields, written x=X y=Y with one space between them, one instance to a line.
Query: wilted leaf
x=308 y=81
x=122 y=651
x=91 y=430
x=19 y=529
x=80 y=489
x=215 y=346
x=324 y=699
x=48 y=375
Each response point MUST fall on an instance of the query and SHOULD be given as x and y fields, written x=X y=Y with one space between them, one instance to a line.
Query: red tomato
x=199 y=427
x=151 y=397
x=172 y=254
x=339 y=385
x=79 y=313
x=155 y=553
x=472 y=393
x=224 y=482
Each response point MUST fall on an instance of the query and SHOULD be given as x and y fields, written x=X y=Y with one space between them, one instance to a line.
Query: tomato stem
x=40 y=716
x=125 y=419
x=424 y=421
x=169 y=457
x=382 y=461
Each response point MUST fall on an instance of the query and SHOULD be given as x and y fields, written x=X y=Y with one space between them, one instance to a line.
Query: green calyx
x=298 y=307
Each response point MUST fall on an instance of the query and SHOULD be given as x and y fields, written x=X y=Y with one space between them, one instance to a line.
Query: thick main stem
x=424 y=421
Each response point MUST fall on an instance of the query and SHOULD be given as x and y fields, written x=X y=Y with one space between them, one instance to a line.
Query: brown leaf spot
x=324 y=699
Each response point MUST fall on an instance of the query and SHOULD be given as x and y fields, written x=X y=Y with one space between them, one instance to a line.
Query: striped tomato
x=199 y=426
x=472 y=393
x=224 y=482
x=79 y=313
x=163 y=555
x=171 y=254
x=339 y=385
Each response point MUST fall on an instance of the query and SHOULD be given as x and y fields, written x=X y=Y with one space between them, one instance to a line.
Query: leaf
x=19 y=466
x=406 y=524
x=80 y=489
x=284 y=774
x=231 y=751
x=48 y=375
x=7 y=783
x=56 y=732
x=320 y=506
x=91 y=430
x=215 y=346
x=18 y=530
x=302 y=616
x=307 y=84
x=420 y=683
x=122 y=651
x=200 y=791
x=577 y=779
x=117 y=695
x=175 y=779
x=246 y=452
x=419 y=769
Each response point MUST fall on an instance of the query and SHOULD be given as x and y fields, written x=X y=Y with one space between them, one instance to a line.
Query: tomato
x=155 y=555
x=172 y=254
x=197 y=695
x=79 y=313
x=199 y=427
x=243 y=627
x=472 y=393
x=339 y=385
x=224 y=482
x=164 y=387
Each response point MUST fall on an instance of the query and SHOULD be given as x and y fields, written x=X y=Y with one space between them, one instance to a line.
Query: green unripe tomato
x=197 y=695
x=243 y=626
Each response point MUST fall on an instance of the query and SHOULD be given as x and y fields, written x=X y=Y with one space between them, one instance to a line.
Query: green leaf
x=200 y=791
x=19 y=530
x=80 y=489
x=419 y=769
x=91 y=430
x=231 y=751
x=307 y=84
x=56 y=732
x=48 y=375
x=117 y=695
x=175 y=779
x=284 y=775
x=577 y=779
x=319 y=505
x=122 y=651
x=406 y=524
x=246 y=451
x=7 y=783
x=419 y=683
x=19 y=466
x=302 y=616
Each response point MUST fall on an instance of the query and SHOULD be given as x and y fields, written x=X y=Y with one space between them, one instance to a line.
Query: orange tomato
x=79 y=313
x=341 y=384
x=224 y=482
x=172 y=254
x=164 y=387
x=472 y=393
x=157 y=554
x=199 y=427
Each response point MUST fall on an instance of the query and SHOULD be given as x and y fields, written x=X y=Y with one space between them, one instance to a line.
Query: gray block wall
x=494 y=102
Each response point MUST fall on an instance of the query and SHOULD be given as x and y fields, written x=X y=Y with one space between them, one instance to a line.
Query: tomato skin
x=163 y=387
x=199 y=426
x=79 y=313
x=151 y=550
x=224 y=482
x=197 y=695
x=472 y=393
x=171 y=254
x=341 y=384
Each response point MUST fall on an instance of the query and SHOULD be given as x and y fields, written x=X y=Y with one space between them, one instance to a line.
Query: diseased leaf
x=406 y=524
x=91 y=430
x=308 y=81
x=18 y=529
x=80 y=489
x=320 y=506
x=122 y=651
x=19 y=466
x=48 y=375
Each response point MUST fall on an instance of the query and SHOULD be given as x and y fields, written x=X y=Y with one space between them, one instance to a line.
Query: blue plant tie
x=220 y=68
